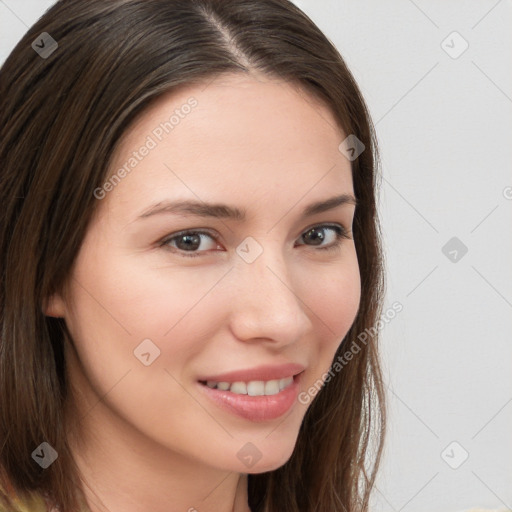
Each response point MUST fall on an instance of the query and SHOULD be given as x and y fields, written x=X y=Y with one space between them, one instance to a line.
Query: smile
x=253 y=400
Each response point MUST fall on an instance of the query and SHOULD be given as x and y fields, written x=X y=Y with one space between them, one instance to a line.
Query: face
x=177 y=312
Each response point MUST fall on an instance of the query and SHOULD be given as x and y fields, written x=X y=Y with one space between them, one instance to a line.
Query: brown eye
x=317 y=236
x=187 y=242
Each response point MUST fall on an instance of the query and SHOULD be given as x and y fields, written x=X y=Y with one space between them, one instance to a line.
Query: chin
x=265 y=468
x=271 y=460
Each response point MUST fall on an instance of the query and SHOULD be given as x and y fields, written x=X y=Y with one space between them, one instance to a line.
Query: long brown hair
x=61 y=118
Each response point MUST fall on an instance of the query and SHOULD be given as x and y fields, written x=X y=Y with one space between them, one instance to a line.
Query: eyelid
x=342 y=232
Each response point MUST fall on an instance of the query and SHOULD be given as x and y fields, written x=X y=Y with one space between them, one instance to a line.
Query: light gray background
x=445 y=130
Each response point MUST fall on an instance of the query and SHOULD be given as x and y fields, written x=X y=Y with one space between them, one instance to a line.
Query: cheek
x=119 y=302
x=333 y=308
x=118 y=306
x=338 y=301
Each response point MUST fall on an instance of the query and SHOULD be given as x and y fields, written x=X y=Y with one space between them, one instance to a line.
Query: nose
x=267 y=302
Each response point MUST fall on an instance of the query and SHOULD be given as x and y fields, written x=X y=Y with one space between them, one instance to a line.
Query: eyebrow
x=223 y=211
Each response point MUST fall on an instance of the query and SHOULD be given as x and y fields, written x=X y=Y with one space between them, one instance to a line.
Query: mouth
x=254 y=400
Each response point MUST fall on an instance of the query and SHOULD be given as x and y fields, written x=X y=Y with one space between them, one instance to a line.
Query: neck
x=124 y=474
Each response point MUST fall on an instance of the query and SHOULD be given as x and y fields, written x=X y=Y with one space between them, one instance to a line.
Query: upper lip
x=264 y=373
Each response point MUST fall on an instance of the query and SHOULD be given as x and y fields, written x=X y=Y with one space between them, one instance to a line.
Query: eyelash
x=341 y=233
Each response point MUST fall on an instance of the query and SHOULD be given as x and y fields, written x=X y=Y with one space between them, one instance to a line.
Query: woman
x=191 y=260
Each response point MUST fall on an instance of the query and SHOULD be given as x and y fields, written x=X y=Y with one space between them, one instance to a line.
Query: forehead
x=235 y=135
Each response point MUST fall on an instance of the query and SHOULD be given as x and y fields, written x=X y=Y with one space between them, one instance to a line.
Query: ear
x=54 y=306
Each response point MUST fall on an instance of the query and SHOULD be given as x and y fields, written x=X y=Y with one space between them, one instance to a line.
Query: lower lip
x=255 y=408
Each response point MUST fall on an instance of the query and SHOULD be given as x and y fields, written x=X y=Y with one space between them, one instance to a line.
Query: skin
x=153 y=442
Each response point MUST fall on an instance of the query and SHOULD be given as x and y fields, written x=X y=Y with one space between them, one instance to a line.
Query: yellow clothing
x=36 y=503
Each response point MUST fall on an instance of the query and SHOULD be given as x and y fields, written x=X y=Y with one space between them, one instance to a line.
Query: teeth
x=284 y=383
x=240 y=388
x=254 y=387
x=272 y=387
